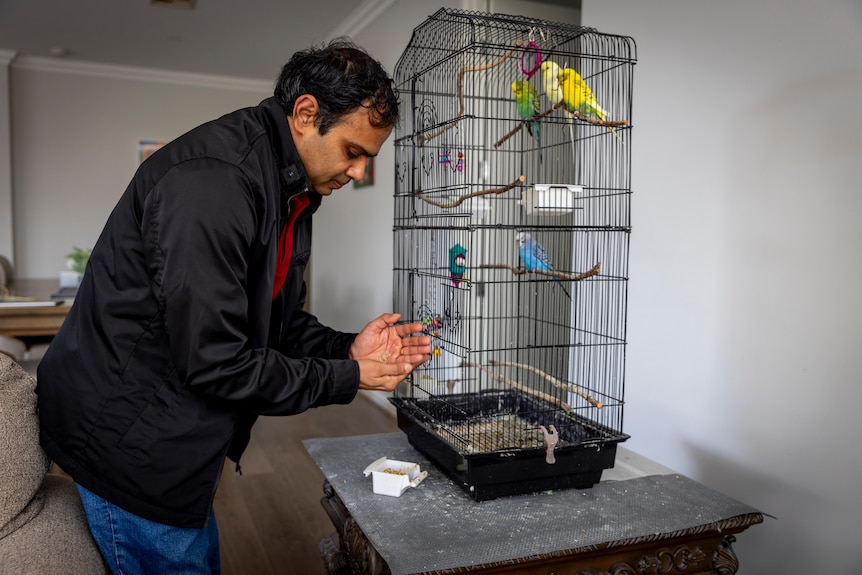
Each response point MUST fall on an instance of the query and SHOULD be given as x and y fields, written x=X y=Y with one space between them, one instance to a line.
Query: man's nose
x=357 y=168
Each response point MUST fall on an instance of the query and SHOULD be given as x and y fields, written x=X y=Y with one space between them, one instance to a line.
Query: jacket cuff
x=339 y=347
x=345 y=388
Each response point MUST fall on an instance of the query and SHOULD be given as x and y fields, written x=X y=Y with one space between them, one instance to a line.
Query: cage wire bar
x=523 y=357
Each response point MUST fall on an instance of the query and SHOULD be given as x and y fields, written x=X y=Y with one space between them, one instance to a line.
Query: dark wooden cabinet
x=634 y=522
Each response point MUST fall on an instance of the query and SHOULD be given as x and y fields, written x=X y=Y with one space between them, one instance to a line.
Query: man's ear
x=305 y=111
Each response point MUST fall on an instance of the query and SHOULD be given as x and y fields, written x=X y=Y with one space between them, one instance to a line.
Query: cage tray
x=489 y=443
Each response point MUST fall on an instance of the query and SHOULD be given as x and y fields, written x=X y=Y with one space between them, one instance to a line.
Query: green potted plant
x=76 y=263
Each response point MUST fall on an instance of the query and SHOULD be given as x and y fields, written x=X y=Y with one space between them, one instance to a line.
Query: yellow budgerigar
x=551 y=81
x=579 y=98
x=554 y=93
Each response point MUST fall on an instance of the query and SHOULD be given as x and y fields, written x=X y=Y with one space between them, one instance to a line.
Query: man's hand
x=387 y=353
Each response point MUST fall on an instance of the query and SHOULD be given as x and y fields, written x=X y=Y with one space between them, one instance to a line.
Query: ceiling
x=237 y=38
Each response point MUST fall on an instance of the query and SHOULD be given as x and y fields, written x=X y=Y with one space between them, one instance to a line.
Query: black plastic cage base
x=583 y=453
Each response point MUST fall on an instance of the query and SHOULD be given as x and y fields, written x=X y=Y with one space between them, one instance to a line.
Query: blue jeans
x=132 y=545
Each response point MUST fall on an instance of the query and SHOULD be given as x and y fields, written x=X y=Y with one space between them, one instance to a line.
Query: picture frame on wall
x=146 y=147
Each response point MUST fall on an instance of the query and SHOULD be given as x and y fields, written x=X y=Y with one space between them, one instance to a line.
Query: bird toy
x=537 y=58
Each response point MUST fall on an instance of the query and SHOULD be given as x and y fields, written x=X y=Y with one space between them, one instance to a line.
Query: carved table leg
x=334 y=561
x=725 y=562
x=355 y=554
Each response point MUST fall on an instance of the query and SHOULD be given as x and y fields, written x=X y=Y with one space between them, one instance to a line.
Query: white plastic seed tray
x=550 y=199
x=393 y=477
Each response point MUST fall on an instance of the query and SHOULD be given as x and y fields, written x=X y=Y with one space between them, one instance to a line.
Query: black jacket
x=174 y=345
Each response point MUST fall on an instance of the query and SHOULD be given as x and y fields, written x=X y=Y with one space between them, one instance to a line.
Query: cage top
x=450 y=30
x=474 y=18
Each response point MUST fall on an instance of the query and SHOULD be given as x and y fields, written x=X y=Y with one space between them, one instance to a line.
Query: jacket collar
x=293 y=176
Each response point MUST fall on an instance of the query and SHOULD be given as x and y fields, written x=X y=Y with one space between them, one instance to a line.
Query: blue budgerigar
x=534 y=257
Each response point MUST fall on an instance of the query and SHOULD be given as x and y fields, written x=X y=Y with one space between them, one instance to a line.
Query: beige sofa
x=43 y=529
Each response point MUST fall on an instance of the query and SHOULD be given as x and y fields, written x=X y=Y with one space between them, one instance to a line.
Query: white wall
x=6 y=221
x=75 y=129
x=744 y=315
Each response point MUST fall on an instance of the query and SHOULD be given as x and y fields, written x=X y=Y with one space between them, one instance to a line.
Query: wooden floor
x=270 y=519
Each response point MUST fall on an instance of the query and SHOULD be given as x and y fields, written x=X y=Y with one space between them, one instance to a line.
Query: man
x=189 y=324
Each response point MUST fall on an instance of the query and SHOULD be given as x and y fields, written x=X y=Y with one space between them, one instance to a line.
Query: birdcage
x=511 y=240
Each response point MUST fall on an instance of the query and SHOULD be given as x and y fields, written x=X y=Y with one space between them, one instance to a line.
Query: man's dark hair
x=343 y=77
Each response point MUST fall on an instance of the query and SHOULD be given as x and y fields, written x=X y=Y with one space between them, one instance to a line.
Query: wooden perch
x=524 y=122
x=597 y=122
x=557 y=383
x=424 y=138
x=548 y=112
x=554 y=274
x=457 y=201
x=432 y=379
x=549 y=398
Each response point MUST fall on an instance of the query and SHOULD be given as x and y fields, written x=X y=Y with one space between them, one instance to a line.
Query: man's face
x=340 y=155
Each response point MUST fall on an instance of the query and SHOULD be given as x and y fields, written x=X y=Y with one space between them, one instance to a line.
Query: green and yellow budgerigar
x=527 y=100
x=579 y=98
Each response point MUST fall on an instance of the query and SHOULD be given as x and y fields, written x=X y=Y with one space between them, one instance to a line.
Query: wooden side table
x=42 y=318
x=641 y=519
